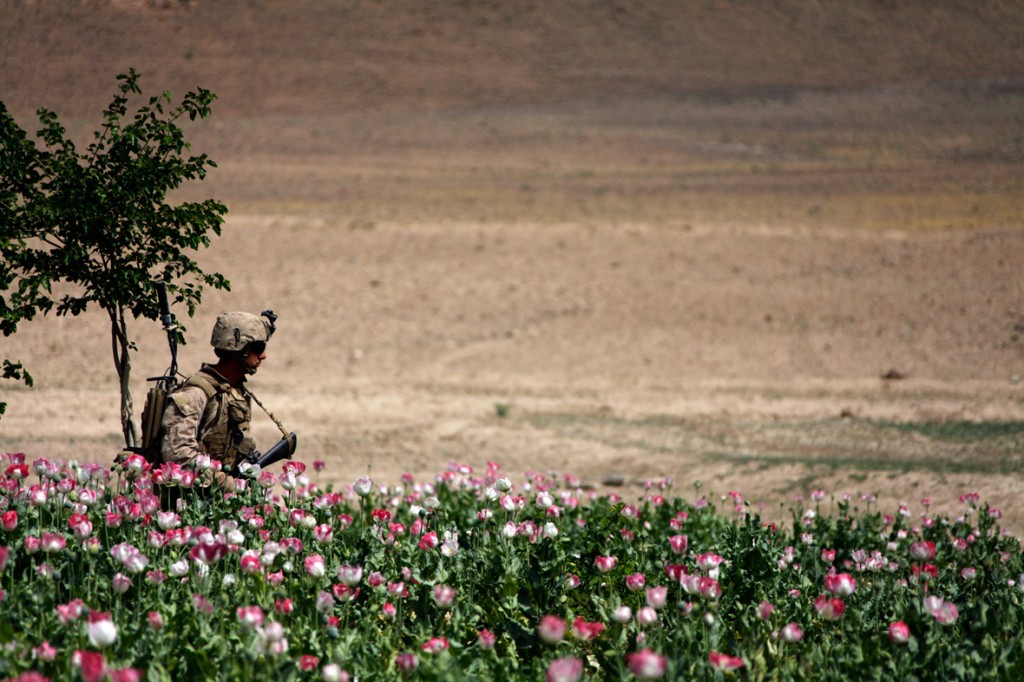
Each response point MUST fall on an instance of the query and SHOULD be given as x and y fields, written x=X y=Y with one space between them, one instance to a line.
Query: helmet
x=234 y=331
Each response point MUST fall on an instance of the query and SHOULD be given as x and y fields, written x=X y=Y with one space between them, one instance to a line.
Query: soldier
x=210 y=412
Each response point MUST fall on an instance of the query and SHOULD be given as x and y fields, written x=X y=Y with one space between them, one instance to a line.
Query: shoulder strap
x=210 y=383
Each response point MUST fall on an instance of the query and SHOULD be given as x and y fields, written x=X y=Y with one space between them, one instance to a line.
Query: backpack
x=152 y=434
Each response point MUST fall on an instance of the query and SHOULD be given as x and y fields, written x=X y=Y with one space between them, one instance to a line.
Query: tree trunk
x=123 y=364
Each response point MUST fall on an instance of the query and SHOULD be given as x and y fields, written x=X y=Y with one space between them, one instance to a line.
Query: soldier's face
x=255 y=354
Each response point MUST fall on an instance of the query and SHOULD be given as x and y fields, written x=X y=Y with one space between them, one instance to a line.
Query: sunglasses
x=257 y=347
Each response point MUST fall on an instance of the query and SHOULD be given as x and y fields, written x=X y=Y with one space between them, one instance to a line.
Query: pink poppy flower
x=289 y=480
x=724 y=661
x=970 y=498
x=551 y=629
x=429 y=541
x=829 y=609
x=332 y=672
x=70 y=612
x=166 y=520
x=363 y=486
x=646 y=665
x=922 y=550
x=791 y=633
x=444 y=595
x=90 y=664
x=568 y=669
x=450 y=546
x=273 y=640
x=120 y=583
x=646 y=616
x=294 y=467
x=435 y=645
x=657 y=596
x=136 y=562
x=350 y=575
x=112 y=519
x=709 y=561
x=315 y=566
x=925 y=571
x=297 y=517
x=155 y=620
x=678 y=543
x=635 y=582
x=605 y=564
x=690 y=582
x=344 y=593
x=324 y=601
x=101 y=629
x=173 y=537
x=622 y=615
x=52 y=543
x=250 y=564
x=283 y=606
x=9 y=520
x=709 y=588
x=323 y=533
x=584 y=631
x=486 y=640
x=899 y=632
x=841 y=584
x=202 y=604
x=764 y=610
x=136 y=464
x=250 y=617
x=45 y=652
x=308 y=663
x=406 y=662
x=944 y=612
x=208 y=553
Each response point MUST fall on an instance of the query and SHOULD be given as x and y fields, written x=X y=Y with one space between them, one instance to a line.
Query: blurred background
x=769 y=245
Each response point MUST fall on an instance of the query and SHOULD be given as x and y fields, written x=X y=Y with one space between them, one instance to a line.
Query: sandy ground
x=704 y=286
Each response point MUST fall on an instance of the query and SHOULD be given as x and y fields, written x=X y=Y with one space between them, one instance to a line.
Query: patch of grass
x=860 y=446
x=545 y=420
x=968 y=465
x=861 y=463
x=961 y=431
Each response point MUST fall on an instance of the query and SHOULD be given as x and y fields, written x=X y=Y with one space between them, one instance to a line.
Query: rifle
x=156 y=398
x=283 y=449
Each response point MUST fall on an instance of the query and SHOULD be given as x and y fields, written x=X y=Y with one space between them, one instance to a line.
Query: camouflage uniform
x=207 y=414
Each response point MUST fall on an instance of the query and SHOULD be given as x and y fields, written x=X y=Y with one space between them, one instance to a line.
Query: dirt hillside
x=619 y=239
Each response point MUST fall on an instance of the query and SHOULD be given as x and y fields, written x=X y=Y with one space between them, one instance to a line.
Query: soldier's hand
x=224 y=480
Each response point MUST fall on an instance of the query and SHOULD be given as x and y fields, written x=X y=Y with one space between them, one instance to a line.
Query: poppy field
x=487 y=575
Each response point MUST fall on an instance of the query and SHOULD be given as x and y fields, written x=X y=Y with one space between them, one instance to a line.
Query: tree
x=99 y=223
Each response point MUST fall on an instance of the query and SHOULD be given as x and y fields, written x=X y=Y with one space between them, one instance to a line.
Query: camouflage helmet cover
x=234 y=331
